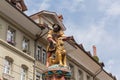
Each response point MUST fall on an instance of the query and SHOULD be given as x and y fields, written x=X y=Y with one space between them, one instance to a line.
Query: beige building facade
x=23 y=47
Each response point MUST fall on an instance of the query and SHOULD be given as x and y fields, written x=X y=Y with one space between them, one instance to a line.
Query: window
x=11 y=36
x=7 y=66
x=24 y=70
x=72 y=70
x=25 y=44
x=88 y=77
x=23 y=74
x=80 y=75
x=38 y=76
x=44 y=55
x=38 y=53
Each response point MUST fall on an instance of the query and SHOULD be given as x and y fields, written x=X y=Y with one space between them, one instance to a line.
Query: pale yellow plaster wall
x=18 y=61
x=2 y=29
x=18 y=35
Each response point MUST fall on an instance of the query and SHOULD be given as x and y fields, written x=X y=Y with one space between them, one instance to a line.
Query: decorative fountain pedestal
x=56 y=72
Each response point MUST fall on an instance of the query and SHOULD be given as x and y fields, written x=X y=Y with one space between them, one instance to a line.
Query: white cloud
x=32 y=7
x=93 y=34
x=109 y=65
x=110 y=7
x=113 y=66
x=73 y=5
x=44 y=5
x=114 y=9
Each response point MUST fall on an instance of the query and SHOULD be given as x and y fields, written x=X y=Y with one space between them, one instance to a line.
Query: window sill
x=18 y=51
x=26 y=51
x=12 y=43
x=7 y=76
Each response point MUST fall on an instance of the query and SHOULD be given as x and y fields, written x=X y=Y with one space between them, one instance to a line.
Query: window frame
x=7 y=67
x=38 y=74
x=72 y=70
x=80 y=74
x=44 y=56
x=25 y=42
x=11 y=35
x=88 y=76
x=8 y=61
x=24 y=72
x=38 y=55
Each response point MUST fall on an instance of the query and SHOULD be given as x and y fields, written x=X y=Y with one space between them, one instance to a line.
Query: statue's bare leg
x=47 y=61
x=60 y=59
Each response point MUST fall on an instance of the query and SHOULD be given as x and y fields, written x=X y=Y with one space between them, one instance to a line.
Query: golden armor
x=56 y=52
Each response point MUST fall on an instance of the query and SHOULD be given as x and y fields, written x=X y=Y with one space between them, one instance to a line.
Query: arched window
x=8 y=65
x=72 y=70
x=80 y=75
x=24 y=72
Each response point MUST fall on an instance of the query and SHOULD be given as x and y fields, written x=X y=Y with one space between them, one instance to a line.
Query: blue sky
x=91 y=22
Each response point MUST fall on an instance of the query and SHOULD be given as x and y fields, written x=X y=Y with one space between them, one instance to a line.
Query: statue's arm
x=49 y=37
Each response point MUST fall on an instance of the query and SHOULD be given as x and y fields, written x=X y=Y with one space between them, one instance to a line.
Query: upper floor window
x=80 y=75
x=11 y=36
x=38 y=53
x=41 y=54
x=25 y=45
x=88 y=77
x=72 y=70
x=38 y=76
x=24 y=70
x=8 y=65
x=44 y=55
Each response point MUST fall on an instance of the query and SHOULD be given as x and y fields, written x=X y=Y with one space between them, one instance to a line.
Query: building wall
x=19 y=35
x=18 y=57
x=76 y=69
x=15 y=52
x=2 y=28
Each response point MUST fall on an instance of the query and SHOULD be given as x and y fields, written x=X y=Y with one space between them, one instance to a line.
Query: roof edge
x=23 y=13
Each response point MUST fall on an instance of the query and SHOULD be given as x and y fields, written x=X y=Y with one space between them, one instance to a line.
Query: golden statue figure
x=60 y=54
x=56 y=52
x=56 y=56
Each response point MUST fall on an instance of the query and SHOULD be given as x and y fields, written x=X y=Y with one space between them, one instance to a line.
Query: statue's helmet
x=56 y=27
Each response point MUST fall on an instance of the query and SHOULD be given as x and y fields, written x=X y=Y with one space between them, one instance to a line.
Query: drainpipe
x=35 y=41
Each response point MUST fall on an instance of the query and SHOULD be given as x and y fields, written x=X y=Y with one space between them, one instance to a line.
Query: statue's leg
x=60 y=59
x=64 y=57
x=64 y=60
x=47 y=63
x=48 y=56
x=50 y=61
x=55 y=61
